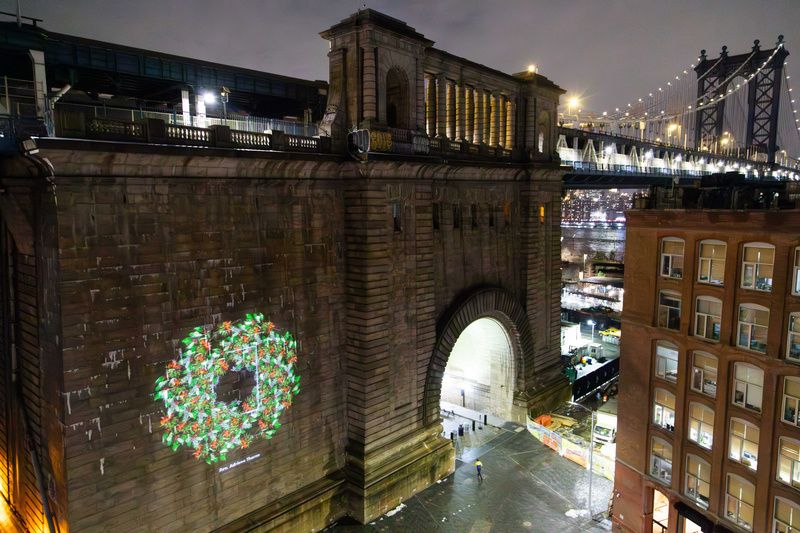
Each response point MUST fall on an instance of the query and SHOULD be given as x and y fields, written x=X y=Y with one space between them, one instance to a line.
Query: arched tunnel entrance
x=479 y=375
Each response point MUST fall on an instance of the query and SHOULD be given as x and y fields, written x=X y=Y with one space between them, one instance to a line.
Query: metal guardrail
x=155 y=131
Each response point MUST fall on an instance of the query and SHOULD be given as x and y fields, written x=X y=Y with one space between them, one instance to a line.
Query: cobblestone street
x=526 y=487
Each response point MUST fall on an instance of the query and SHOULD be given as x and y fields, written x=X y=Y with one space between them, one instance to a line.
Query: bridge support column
x=451 y=109
x=511 y=111
x=480 y=115
x=541 y=226
x=460 y=111
x=494 y=131
x=469 y=113
x=501 y=135
x=441 y=106
x=386 y=461
x=369 y=89
x=430 y=105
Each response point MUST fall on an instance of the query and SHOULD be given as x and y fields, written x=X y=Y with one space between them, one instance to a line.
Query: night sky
x=608 y=51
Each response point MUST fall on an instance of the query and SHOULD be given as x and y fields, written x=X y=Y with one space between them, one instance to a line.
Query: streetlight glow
x=209 y=97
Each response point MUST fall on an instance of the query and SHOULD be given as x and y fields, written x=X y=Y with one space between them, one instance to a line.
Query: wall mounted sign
x=196 y=418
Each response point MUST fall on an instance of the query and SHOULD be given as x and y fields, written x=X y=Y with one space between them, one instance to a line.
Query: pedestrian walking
x=478 y=465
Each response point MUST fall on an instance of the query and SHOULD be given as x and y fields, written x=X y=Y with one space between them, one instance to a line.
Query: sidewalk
x=526 y=487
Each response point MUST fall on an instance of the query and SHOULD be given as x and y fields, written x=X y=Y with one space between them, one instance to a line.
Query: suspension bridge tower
x=762 y=70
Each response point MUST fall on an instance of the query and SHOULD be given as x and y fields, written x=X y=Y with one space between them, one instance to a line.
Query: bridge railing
x=155 y=131
x=411 y=142
x=235 y=121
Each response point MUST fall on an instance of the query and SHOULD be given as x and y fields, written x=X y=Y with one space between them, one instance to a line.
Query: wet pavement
x=526 y=487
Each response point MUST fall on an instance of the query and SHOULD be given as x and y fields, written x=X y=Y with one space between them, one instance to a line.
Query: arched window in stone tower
x=397 y=105
x=543 y=133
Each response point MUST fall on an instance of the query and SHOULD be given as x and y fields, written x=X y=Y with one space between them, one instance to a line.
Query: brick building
x=709 y=433
x=374 y=255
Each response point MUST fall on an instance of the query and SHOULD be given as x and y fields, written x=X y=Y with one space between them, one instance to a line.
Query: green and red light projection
x=196 y=418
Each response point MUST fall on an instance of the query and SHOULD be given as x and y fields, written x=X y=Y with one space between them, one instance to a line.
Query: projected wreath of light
x=196 y=418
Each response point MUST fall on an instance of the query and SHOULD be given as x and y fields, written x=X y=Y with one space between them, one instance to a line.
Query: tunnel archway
x=506 y=321
x=479 y=375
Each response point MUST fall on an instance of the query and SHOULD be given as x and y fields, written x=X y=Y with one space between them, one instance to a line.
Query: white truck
x=605 y=426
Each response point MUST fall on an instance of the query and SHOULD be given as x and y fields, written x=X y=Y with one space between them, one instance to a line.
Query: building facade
x=709 y=434
x=135 y=274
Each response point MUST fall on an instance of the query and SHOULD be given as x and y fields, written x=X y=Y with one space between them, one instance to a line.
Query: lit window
x=669 y=310
x=704 y=373
x=712 y=262
x=667 y=361
x=787 y=517
x=796 y=272
x=672 y=257
x=748 y=385
x=661 y=460
x=791 y=401
x=739 y=500
x=701 y=424
x=789 y=462
x=707 y=318
x=698 y=480
x=664 y=410
x=793 y=338
x=744 y=443
x=753 y=322
x=757 y=261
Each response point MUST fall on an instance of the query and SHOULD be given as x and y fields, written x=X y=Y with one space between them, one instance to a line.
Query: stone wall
x=363 y=263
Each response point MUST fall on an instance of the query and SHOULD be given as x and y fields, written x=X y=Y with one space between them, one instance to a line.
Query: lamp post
x=223 y=96
x=591 y=454
x=591 y=323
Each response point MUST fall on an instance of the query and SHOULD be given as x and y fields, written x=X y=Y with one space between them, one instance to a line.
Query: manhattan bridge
x=733 y=113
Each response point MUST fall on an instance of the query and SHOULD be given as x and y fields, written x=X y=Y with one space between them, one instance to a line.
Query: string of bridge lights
x=704 y=103
x=786 y=78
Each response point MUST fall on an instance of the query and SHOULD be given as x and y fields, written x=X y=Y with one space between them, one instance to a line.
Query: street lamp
x=591 y=453
x=591 y=323
x=223 y=96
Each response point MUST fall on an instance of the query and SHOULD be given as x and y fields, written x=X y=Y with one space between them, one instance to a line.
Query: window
x=456 y=216
x=396 y=222
x=707 y=318
x=796 y=272
x=704 y=373
x=667 y=361
x=669 y=310
x=789 y=462
x=791 y=401
x=753 y=323
x=787 y=517
x=748 y=384
x=436 y=215
x=672 y=257
x=744 y=443
x=712 y=262
x=757 y=261
x=793 y=338
x=491 y=215
x=698 y=480
x=664 y=410
x=701 y=424
x=739 y=499
x=473 y=214
x=661 y=460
